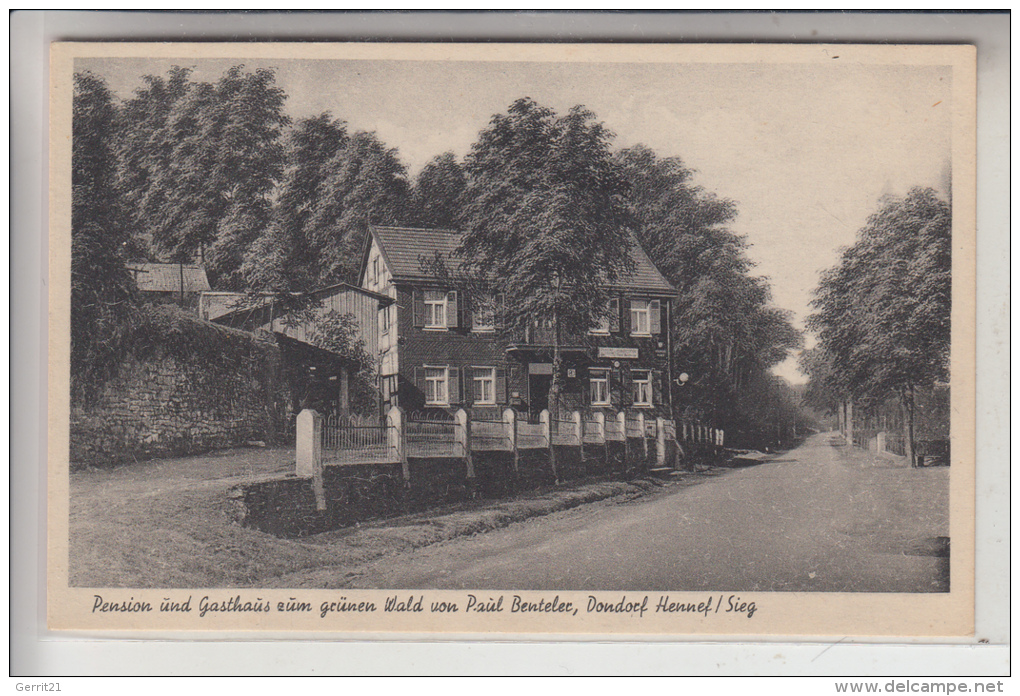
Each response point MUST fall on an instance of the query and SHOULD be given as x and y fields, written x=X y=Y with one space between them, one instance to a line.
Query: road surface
x=817 y=518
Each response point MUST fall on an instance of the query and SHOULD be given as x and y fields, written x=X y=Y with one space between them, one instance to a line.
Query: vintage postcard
x=642 y=341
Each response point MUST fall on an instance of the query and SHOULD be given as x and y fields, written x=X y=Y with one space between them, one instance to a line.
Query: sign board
x=629 y=353
x=540 y=368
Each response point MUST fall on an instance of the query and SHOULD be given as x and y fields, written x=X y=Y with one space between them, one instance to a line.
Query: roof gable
x=169 y=277
x=404 y=247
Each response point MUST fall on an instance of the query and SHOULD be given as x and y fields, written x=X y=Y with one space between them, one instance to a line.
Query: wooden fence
x=436 y=434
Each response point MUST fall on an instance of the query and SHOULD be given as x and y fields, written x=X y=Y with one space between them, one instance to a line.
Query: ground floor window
x=599 y=379
x=436 y=393
x=484 y=385
x=641 y=384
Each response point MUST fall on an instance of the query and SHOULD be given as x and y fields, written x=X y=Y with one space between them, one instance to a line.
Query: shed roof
x=169 y=277
x=404 y=247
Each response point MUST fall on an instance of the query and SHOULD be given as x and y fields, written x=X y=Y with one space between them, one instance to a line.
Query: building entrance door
x=538 y=392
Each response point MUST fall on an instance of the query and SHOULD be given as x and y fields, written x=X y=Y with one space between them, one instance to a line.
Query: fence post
x=600 y=421
x=660 y=441
x=397 y=441
x=309 y=453
x=622 y=418
x=464 y=434
x=880 y=442
x=510 y=428
x=644 y=436
x=579 y=430
x=543 y=417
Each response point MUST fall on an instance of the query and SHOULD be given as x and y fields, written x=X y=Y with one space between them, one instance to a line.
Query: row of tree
x=883 y=313
x=218 y=172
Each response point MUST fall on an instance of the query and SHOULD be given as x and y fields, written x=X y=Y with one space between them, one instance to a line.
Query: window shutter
x=626 y=395
x=419 y=308
x=625 y=318
x=500 y=385
x=468 y=304
x=451 y=310
x=469 y=385
x=614 y=315
x=654 y=316
x=656 y=376
x=419 y=379
x=453 y=385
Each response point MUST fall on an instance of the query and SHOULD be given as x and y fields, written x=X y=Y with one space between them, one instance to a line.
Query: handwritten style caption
x=636 y=606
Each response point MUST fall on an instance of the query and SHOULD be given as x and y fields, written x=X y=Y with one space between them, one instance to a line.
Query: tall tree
x=883 y=314
x=210 y=161
x=101 y=286
x=726 y=332
x=366 y=184
x=283 y=258
x=438 y=193
x=545 y=223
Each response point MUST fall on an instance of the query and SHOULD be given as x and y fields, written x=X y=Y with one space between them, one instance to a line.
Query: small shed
x=180 y=283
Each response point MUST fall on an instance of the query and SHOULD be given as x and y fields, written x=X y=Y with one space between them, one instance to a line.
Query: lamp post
x=680 y=381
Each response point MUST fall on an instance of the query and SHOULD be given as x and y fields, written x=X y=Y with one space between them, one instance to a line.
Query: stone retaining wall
x=168 y=406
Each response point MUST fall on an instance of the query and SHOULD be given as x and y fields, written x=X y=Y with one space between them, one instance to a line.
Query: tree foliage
x=726 y=332
x=201 y=162
x=334 y=186
x=545 y=220
x=438 y=193
x=883 y=314
x=102 y=289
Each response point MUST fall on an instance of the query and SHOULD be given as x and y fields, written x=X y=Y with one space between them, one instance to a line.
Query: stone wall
x=178 y=398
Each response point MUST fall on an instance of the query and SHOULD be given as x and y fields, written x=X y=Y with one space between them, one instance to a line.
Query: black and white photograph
x=513 y=338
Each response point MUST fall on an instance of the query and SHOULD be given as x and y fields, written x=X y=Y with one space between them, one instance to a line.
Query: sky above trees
x=804 y=151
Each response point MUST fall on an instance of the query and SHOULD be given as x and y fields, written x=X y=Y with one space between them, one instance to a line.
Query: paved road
x=818 y=518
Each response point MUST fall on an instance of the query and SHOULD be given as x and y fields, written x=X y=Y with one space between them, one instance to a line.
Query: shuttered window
x=640 y=324
x=436 y=386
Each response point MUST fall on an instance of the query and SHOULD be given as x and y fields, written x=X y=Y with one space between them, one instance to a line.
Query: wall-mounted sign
x=540 y=368
x=571 y=373
x=626 y=353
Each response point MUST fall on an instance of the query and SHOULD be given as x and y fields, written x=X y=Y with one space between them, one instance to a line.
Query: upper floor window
x=611 y=321
x=483 y=315
x=641 y=384
x=639 y=319
x=435 y=309
x=375 y=269
x=645 y=317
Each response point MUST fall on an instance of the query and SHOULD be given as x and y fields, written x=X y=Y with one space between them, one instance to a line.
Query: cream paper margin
x=778 y=614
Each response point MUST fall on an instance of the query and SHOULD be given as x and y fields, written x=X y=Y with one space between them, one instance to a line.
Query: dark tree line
x=883 y=314
x=217 y=172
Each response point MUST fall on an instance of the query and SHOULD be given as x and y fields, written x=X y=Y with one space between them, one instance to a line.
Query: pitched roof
x=169 y=277
x=404 y=247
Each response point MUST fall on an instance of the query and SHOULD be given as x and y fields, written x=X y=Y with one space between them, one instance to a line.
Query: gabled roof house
x=439 y=349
